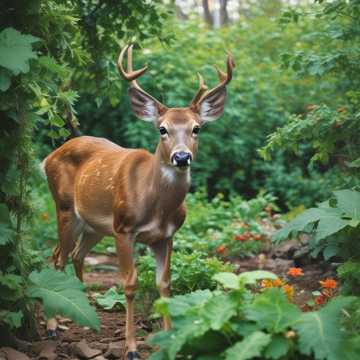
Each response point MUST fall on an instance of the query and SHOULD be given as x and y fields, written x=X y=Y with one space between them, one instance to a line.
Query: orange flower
x=328 y=284
x=289 y=291
x=267 y=283
x=321 y=299
x=295 y=272
x=278 y=282
x=221 y=249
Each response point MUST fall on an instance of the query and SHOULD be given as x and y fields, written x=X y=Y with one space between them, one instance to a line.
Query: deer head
x=178 y=127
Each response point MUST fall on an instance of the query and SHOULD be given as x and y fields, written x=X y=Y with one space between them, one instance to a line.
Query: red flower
x=295 y=272
x=241 y=237
x=221 y=249
x=321 y=299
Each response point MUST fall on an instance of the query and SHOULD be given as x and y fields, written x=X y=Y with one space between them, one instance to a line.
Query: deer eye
x=196 y=130
x=162 y=130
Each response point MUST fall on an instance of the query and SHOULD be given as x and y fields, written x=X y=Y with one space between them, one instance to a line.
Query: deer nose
x=181 y=158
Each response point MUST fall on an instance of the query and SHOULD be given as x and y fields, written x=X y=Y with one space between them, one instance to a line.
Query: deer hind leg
x=69 y=229
x=128 y=278
x=85 y=243
x=162 y=251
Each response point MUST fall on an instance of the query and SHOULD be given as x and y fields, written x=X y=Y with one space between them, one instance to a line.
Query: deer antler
x=201 y=91
x=131 y=75
x=224 y=79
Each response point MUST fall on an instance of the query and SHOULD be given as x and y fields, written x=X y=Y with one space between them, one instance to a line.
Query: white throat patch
x=171 y=174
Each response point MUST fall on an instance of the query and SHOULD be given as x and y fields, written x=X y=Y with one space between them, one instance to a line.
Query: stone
x=12 y=354
x=48 y=351
x=115 y=350
x=83 y=350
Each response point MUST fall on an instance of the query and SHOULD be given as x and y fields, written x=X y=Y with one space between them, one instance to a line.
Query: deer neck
x=169 y=183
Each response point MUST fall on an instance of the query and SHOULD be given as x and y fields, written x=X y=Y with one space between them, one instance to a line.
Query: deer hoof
x=132 y=355
x=52 y=334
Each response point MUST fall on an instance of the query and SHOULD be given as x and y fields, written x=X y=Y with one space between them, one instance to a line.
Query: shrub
x=239 y=324
x=238 y=226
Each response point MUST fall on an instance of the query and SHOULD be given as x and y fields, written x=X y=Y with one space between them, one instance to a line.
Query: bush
x=227 y=228
x=242 y=324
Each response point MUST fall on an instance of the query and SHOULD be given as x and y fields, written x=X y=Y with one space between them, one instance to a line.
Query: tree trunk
x=224 y=16
x=207 y=14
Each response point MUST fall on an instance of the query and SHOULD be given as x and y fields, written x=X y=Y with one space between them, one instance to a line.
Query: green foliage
x=110 y=299
x=241 y=324
x=189 y=272
x=320 y=332
x=327 y=49
x=16 y=51
x=349 y=273
x=248 y=348
x=218 y=222
x=236 y=282
x=62 y=294
x=333 y=226
x=260 y=97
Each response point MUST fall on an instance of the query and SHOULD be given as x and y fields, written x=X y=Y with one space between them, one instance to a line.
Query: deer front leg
x=128 y=278
x=162 y=251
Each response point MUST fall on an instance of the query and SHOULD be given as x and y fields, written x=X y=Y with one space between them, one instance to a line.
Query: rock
x=100 y=357
x=83 y=350
x=38 y=346
x=99 y=345
x=48 y=351
x=115 y=350
x=12 y=354
x=63 y=327
x=63 y=320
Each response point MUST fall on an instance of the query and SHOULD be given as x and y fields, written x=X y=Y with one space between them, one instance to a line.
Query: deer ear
x=143 y=105
x=211 y=106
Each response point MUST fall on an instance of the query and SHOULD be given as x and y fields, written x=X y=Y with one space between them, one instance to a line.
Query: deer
x=101 y=189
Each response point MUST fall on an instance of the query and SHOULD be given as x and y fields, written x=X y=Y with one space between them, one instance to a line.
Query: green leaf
x=349 y=202
x=248 y=348
x=57 y=121
x=272 y=311
x=110 y=299
x=178 y=305
x=62 y=294
x=298 y=224
x=189 y=328
x=5 y=80
x=16 y=50
x=6 y=232
x=320 y=332
x=354 y=163
x=218 y=310
x=228 y=280
x=12 y=319
x=330 y=224
x=330 y=251
x=278 y=347
x=251 y=277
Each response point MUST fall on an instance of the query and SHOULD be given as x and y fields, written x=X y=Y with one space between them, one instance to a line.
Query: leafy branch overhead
x=341 y=213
